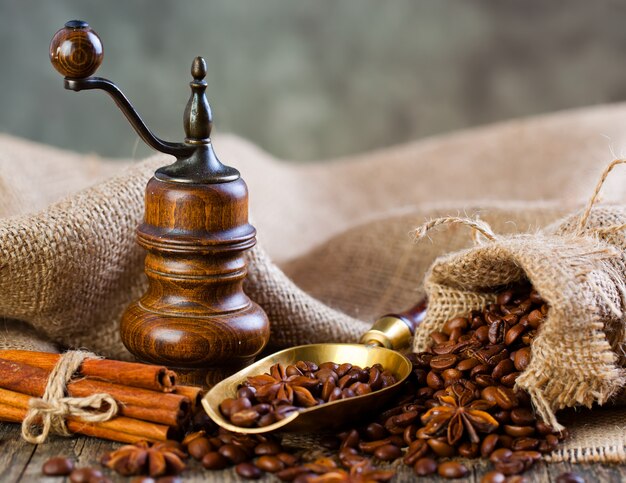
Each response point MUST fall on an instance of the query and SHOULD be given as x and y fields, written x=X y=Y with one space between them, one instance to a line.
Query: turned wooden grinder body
x=195 y=312
x=195 y=315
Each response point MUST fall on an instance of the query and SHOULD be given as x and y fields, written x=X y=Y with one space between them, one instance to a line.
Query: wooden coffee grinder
x=195 y=316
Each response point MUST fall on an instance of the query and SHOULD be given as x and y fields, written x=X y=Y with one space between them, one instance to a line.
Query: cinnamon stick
x=14 y=406
x=134 y=402
x=146 y=376
x=193 y=393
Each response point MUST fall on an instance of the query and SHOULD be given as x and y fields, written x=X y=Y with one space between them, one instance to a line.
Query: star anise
x=278 y=385
x=145 y=458
x=458 y=413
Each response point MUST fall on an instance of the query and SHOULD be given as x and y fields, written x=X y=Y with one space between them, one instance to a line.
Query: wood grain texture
x=21 y=462
x=195 y=313
x=76 y=50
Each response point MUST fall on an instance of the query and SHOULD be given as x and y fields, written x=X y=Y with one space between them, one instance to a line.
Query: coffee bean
x=484 y=380
x=434 y=380
x=439 y=337
x=522 y=359
x=482 y=334
x=493 y=477
x=282 y=412
x=467 y=364
x=468 y=450
x=510 y=379
x=266 y=420
x=569 y=477
x=240 y=404
x=349 y=457
x=226 y=406
x=502 y=416
x=450 y=376
x=214 y=461
x=271 y=464
x=351 y=440
x=519 y=431
x=501 y=454
x=502 y=369
x=57 y=466
x=374 y=431
x=443 y=362
x=370 y=446
x=291 y=474
x=416 y=450
x=425 y=466
x=505 y=441
x=452 y=469
x=404 y=419
x=497 y=330
x=488 y=445
x=361 y=388
x=522 y=416
x=456 y=323
x=509 y=467
x=514 y=333
x=440 y=448
x=505 y=398
x=267 y=448
x=235 y=454
x=387 y=452
x=328 y=365
x=529 y=455
x=535 y=318
x=524 y=444
x=248 y=471
x=245 y=418
x=444 y=348
x=504 y=297
x=84 y=475
x=246 y=392
x=535 y=298
x=199 y=447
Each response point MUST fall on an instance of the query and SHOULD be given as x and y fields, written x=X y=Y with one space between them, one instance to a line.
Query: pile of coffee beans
x=460 y=401
x=266 y=398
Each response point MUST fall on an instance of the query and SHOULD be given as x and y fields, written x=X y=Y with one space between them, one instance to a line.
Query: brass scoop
x=376 y=346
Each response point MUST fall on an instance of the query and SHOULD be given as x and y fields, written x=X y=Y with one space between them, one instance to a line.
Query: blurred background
x=311 y=80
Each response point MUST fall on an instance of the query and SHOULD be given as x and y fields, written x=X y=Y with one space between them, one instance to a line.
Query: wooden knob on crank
x=76 y=50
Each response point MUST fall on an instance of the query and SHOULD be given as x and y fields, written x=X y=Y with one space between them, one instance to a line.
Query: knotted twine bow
x=51 y=411
x=479 y=226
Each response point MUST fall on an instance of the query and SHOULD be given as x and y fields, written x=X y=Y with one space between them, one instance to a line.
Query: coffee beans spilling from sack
x=266 y=398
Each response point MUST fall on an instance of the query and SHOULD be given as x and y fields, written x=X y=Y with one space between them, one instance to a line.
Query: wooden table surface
x=21 y=461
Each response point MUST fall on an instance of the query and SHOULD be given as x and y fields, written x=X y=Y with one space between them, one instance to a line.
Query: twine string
x=50 y=411
x=477 y=225
x=592 y=201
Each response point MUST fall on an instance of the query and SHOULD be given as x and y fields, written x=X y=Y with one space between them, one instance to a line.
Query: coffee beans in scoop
x=266 y=398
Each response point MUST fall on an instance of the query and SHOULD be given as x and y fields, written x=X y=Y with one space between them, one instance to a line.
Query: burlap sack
x=69 y=263
x=577 y=356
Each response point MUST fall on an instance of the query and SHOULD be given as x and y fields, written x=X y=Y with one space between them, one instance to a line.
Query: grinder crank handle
x=76 y=53
x=394 y=331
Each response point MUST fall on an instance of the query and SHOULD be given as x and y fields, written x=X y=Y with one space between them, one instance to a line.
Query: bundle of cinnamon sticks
x=151 y=405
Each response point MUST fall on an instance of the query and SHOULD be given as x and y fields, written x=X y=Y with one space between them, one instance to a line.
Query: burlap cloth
x=335 y=249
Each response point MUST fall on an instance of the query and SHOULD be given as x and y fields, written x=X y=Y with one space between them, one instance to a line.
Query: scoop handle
x=394 y=331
